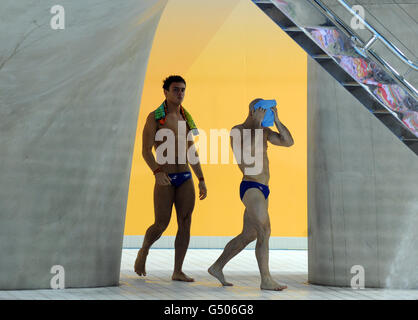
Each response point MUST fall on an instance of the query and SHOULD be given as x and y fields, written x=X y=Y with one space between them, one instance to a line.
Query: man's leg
x=184 y=203
x=163 y=204
x=257 y=209
x=233 y=247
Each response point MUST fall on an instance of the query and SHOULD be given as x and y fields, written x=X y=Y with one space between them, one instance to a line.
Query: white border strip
x=197 y=242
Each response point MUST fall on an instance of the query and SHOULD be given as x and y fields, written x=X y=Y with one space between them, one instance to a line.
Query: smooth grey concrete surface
x=362 y=182
x=69 y=102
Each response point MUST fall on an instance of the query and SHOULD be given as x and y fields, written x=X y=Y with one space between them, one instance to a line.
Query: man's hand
x=162 y=179
x=283 y=138
x=276 y=116
x=202 y=190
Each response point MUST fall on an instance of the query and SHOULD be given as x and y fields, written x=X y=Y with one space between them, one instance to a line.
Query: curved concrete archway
x=69 y=103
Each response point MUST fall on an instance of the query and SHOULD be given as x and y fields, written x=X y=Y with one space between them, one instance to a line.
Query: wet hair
x=169 y=80
x=253 y=103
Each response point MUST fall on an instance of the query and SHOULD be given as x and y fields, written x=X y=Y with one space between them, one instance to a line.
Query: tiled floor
x=287 y=266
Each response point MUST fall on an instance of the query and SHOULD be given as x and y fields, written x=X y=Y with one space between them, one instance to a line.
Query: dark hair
x=253 y=103
x=169 y=80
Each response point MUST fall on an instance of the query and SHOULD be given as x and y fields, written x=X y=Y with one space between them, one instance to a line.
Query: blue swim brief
x=178 y=178
x=245 y=185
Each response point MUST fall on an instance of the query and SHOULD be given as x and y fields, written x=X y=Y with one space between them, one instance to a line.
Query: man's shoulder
x=151 y=115
x=151 y=122
x=237 y=127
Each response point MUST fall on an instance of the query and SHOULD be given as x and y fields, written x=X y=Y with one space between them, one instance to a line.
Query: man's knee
x=259 y=218
x=161 y=226
x=263 y=231
x=250 y=236
x=184 y=222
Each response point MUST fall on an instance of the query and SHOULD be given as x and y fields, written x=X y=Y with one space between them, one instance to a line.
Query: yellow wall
x=229 y=52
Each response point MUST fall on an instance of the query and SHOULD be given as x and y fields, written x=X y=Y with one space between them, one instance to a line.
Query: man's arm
x=236 y=141
x=148 y=139
x=197 y=169
x=281 y=138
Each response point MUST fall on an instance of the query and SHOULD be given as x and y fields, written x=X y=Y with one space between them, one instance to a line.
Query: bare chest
x=175 y=124
x=253 y=141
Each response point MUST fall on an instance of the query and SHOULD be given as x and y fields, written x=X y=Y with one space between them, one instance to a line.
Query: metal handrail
x=348 y=30
x=378 y=36
x=365 y=47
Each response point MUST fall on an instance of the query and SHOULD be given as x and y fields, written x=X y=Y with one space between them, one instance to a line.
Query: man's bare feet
x=270 y=284
x=180 y=276
x=140 y=263
x=218 y=274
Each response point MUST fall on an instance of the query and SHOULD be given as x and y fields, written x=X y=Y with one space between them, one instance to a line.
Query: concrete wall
x=362 y=182
x=69 y=102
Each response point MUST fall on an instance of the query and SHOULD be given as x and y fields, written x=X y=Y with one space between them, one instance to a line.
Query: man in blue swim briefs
x=254 y=192
x=173 y=183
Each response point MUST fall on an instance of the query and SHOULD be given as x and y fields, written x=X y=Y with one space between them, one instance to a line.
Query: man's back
x=250 y=149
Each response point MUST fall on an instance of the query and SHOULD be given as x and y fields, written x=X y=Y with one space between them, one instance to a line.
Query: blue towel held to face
x=268 y=119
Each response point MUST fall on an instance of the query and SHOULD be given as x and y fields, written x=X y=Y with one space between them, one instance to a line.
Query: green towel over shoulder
x=160 y=114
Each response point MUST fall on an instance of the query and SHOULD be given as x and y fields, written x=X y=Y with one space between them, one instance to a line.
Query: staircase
x=352 y=61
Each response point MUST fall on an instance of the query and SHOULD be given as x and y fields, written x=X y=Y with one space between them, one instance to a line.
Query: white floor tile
x=287 y=266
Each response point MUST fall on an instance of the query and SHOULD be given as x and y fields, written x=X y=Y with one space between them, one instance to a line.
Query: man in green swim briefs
x=254 y=193
x=173 y=183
